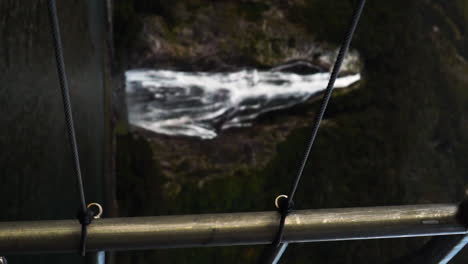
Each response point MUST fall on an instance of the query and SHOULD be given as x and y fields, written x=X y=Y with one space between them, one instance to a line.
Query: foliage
x=398 y=138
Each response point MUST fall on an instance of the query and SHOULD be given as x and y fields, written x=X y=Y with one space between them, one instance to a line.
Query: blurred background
x=203 y=106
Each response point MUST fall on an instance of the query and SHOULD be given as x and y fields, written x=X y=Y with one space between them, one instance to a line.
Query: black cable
x=328 y=92
x=84 y=213
x=66 y=97
x=284 y=208
x=85 y=218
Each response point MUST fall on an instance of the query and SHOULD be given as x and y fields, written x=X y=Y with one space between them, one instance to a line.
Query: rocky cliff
x=218 y=36
x=397 y=137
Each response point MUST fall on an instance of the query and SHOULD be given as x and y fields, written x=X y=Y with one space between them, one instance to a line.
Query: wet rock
x=301 y=67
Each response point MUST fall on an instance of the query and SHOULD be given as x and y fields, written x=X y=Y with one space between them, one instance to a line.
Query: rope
x=286 y=202
x=85 y=214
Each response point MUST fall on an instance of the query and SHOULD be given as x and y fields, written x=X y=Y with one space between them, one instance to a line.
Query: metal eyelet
x=279 y=197
x=99 y=208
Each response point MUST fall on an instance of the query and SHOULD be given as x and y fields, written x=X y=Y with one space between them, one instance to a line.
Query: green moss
x=392 y=139
x=252 y=11
x=121 y=128
x=139 y=177
x=314 y=14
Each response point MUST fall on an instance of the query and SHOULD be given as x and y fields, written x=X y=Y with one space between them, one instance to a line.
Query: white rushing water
x=200 y=104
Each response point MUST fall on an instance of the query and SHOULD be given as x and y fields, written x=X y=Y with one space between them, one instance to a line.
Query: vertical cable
x=273 y=252
x=328 y=92
x=85 y=215
x=57 y=41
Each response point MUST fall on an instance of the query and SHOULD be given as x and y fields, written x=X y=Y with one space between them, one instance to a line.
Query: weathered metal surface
x=231 y=229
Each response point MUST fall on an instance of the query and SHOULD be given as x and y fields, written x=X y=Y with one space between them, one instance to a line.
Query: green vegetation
x=398 y=138
x=252 y=11
x=126 y=27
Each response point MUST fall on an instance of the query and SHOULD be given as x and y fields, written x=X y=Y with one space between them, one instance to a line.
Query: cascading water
x=200 y=104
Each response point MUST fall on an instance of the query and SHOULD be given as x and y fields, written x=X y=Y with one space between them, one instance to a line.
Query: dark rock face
x=405 y=145
x=219 y=36
x=398 y=138
x=299 y=67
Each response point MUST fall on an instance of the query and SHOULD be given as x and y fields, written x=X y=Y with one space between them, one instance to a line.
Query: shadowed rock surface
x=398 y=138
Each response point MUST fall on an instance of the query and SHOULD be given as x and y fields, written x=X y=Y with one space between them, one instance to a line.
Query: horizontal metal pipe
x=231 y=229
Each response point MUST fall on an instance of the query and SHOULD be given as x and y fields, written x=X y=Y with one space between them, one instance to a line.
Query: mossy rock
x=398 y=138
